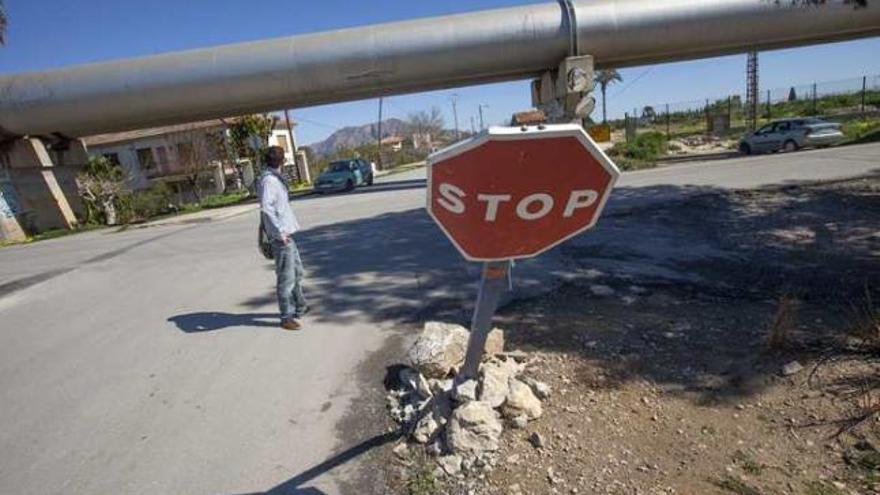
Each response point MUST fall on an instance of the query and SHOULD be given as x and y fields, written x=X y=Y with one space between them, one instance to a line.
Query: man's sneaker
x=290 y=325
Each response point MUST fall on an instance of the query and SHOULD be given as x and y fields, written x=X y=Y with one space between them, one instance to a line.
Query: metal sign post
x=492 y=285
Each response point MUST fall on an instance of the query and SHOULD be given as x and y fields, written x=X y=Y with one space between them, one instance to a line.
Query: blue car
x=345 y=175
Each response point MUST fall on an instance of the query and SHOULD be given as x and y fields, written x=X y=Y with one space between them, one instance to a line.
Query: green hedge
x=641 y=152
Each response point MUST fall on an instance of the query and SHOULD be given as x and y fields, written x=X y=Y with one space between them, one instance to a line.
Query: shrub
x=642 y=151
x=855 y=130
x=137 y=206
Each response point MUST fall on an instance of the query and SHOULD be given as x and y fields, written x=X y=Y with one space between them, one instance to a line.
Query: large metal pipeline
x=400 y=57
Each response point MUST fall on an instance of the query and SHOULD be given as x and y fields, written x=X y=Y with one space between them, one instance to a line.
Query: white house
x=162 y=153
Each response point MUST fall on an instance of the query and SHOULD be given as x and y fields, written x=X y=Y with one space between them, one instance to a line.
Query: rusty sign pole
x=492 y=284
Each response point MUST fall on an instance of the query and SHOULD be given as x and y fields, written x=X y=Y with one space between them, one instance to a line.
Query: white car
x=791 y=135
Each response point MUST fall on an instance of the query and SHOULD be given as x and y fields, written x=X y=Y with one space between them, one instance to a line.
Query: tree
x=248 y=138
x=648 y=113
x=198 y=150
x=792 y=94
x=100 y=184
x=2 y=23
x=604 y=78
x=424 y=125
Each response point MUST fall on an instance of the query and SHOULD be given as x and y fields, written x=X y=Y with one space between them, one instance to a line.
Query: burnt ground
x=674 y=383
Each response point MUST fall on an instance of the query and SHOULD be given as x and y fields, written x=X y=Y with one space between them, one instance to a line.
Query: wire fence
x=839 y=100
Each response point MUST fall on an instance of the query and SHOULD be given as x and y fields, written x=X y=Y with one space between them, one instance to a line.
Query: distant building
x=165 y=153
x=393 y=143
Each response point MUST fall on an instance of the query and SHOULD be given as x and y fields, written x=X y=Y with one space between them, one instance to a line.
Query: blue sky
x=53 y=33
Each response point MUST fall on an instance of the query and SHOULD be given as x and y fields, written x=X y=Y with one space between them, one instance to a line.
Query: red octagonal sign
x=512 y=193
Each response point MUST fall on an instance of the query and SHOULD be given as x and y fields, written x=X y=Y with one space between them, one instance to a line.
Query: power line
x=315 y=122
x=454 y=99
x=643 y=74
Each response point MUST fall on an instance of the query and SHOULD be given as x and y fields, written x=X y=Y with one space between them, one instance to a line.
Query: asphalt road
x=149 y=361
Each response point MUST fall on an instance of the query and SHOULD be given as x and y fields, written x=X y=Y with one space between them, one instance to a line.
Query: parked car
x=791 y=135
x=345 y=175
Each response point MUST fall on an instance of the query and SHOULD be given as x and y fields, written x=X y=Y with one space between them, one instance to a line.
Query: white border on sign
x=515 y=134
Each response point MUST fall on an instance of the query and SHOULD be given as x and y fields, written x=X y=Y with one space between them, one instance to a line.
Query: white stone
x=495 y=376
x=401 y=450
x=521 y=401
x=451 y=464
x=494 y=343
x=439 y=348
x=792 y=368
x=474 y=428
x=520 y=422
x=426 y=429
x=466 y=392
x=541 y=389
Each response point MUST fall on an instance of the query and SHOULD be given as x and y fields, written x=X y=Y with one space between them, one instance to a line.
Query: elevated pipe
x=401 y=57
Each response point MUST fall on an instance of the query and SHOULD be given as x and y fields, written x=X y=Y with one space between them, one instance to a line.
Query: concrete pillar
x=219 y=178
x=69 y=161
x=39 y=186
x=247 y=172
x=10 y=208
x=302 y=165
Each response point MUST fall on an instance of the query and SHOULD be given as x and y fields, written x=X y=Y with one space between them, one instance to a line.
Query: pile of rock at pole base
x=460 y=423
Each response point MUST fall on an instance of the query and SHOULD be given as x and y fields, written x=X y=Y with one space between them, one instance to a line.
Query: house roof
x=393 y=140
x=121 y=137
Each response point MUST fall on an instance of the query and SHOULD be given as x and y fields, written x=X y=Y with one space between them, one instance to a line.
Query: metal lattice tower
x=752 y=98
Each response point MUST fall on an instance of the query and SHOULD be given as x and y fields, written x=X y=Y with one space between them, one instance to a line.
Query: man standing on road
x=280 y=224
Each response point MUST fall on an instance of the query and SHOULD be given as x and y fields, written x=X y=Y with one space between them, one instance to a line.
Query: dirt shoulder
x=671 y=355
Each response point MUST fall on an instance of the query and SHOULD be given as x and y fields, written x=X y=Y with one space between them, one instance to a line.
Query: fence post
x=864 y=90
x=814 y=98
x=668 y=135
x=708 y=118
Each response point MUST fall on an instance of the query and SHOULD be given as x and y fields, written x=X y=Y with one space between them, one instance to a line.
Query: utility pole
x=752 y=91
x=667 y=122
x=815 y=97
x=482 y=126
x=864 y=90
x=454 y=99
x=379 y=138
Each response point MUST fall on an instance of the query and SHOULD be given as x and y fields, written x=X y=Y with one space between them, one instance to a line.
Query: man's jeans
x=289 y=272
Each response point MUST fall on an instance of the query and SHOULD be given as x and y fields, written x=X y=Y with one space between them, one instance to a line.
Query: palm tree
x=2 y=23
x=604 y=78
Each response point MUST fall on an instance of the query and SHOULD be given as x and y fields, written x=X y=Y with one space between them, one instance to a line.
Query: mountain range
x=354 y=136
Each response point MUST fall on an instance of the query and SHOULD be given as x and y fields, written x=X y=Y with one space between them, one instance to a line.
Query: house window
x=145 y=158
x=162 y=155
x=112 y=158
x=282 y=141
x=186 y=155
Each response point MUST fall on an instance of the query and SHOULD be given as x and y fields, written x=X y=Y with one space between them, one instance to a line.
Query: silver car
x=791 y=135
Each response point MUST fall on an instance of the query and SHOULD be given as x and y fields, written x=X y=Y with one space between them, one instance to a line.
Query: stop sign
x=516 y=192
